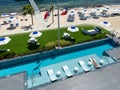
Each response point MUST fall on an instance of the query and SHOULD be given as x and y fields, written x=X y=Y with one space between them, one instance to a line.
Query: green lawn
x=19 y=42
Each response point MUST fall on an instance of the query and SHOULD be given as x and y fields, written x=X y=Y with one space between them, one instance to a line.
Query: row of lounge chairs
x=53 y=76
x=93 y=32
x=70 y=18
x=82 y=16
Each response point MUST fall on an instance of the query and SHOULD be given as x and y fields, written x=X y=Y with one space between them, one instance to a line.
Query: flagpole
x=58 y=25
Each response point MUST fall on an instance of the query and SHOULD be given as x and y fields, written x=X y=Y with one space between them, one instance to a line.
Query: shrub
x=7 y=55
x=50 y=45
x=63 y=43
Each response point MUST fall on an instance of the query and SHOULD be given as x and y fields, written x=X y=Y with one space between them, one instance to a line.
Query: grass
x=19 y=42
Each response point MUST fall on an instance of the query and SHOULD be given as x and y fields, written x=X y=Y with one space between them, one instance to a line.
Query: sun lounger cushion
x=84 y=67
x=67 y=71
x=94 y=63
x=85 y=32
x=97 y=29
x=51 y=75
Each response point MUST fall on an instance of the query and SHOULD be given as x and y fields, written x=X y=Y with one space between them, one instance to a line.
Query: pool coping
x=45 y=54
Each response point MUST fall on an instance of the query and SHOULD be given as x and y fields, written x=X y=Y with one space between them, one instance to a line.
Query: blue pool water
x=37 y=64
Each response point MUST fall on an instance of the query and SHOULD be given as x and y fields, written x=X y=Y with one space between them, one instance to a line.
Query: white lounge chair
x=67 y=71
x=82 y=64
x=94 y=63
x=51 y=75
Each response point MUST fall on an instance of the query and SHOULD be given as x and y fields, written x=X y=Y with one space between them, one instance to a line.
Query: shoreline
x=63 y=23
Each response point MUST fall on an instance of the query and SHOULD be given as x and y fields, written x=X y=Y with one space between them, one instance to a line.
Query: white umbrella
x=72 y=12
x=5 y=15
x=4 y=40
x=66 y=34
x=32 y=39
x=35 y=34
x=14 y=13
x=83 y=11
x=73 y=29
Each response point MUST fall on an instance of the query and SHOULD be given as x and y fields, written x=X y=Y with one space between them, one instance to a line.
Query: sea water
x=8 y=6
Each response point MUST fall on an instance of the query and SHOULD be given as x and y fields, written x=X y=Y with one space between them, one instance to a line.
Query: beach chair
x=67 y=71
x=97 y=29
x=94 y=63
x=82 y=64
x=70 y=19
x=85 y=32
x=51 y=75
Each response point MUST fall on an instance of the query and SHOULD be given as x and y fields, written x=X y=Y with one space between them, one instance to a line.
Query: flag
x=46 y=15
x=64 y=12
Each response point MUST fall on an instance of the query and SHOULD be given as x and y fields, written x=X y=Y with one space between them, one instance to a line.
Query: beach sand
x=40 y=24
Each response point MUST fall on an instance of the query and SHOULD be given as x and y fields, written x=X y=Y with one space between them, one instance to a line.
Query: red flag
x=46 y=15
x=64 y=12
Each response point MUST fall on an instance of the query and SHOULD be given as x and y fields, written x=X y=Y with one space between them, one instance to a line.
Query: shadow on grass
x=33 y=47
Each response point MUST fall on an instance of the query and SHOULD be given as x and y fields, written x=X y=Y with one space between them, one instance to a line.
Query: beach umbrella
x=72 y=12
x=83 y=11
x=66 y=34
x=11 y=19
x=32 y=40
x=35 y=34
x=4 y=40
x=105 y=23
x=5 y=15
x=14 y=13
x=73 y=29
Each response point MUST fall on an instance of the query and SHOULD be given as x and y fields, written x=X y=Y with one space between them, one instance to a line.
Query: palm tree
x=52 y=10
x=28 y=9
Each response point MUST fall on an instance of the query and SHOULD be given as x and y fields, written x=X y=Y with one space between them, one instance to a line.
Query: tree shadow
x=49 y=24
x=33 y=47
x=11 y=28
x=27 y=27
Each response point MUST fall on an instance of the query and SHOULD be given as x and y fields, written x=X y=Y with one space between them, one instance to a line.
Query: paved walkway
x=34 y=6
x=37 y=13
x=13 y=82
x=107 y=78
x=115 y=53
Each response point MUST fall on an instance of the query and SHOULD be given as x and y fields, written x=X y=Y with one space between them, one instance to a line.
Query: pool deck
x=114 y=38
x=107 y=78
x=44 y=78
x=115 y=52
x=13 y=82
x=43 y=82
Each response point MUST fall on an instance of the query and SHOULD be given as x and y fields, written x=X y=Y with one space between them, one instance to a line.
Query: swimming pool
x=65 y=54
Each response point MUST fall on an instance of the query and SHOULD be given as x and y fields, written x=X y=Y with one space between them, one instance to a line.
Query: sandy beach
x=40 y=24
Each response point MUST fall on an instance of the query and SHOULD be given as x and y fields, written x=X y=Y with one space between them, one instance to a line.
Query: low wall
x=48 y=54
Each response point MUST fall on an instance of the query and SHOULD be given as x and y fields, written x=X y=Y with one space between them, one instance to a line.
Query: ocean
x=8 y=6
